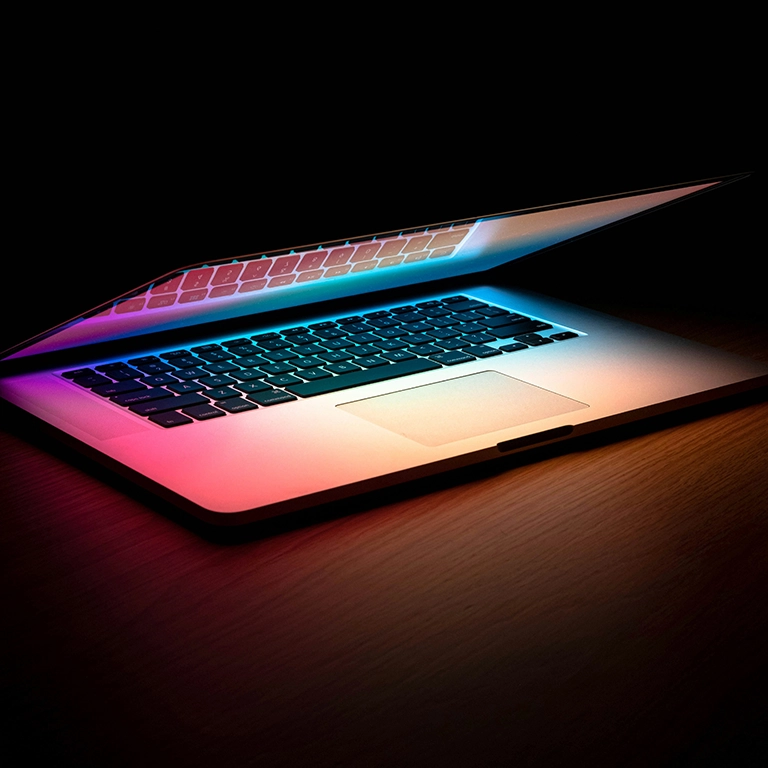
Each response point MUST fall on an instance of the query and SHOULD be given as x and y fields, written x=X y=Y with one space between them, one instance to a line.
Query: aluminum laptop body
x=248 y=388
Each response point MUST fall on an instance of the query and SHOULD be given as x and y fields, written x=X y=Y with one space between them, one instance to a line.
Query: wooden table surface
x=602 y=603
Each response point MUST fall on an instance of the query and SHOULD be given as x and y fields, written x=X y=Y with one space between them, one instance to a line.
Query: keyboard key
x=391 y=333
x=467 y=328
x=78 y=373
x=107 y=367
x=482 y=351
x=203 y=412
x=283 y=380
x=518 y=329
x=492 y=311
x=246 y=375
x=466 y=317
x=173 y=403
x=322 y=326
x=403 y=309
x=329 y=333
x=158 y=380
x=275 y=369
x=215 y=355
x=249 y=387
x=226 y=273
x=452 y=344
x=443 y=333
x=390 y=344
x=307 y=362
x=442 y=322
x=343 y=368
x=418 y=327
x=425 y=349
x=383 y=322
x=279 y=355
x=131 y=398
x=239 y=342
x=355 y=327
x=124 y=373
x=275 y=344
x=497 y=321
x=363 y=350
x=137 y=361
x=218 y=368
x=182 y=387
x=252 y=361
x=340 y=343
x=272 y=397
x=413 y=339
x=284 y=265
x=220 y=380
x=335 y=356
x=118 y=388
x=371 y=362
x=467 y=305
x=201 y=348
x=398 y=355
x=220 y=393
x=453 y=358
x=312 y=374
x=91 y=380
x=197 y=278
x=534 y=340
x=246 y=350
x=170 y=419
x=364 y=338
x=478 y=338
x=307 y=349
x=187 y=374
x=435 y=312
x=303 y=338
x=236 y=405
x=188 y=361
x=152 y=368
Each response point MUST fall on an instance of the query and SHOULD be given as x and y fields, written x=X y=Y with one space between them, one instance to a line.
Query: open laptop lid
x=259 y=283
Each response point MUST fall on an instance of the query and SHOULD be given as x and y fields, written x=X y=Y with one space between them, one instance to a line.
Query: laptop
x=247 y=388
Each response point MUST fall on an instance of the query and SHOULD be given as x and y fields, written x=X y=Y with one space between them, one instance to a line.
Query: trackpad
x=463 y=407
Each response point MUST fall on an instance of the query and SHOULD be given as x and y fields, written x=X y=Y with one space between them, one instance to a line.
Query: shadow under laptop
x=25 y=427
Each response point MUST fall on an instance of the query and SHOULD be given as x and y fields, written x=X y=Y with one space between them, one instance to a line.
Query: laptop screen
x=259 y=283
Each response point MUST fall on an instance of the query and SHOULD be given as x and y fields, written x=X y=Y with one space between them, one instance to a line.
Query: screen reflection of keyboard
x=212 y=380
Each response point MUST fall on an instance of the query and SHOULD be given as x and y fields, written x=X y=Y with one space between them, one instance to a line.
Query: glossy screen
x=261 y=283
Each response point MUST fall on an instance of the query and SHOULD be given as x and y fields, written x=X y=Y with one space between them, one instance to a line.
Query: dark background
x=107 y=196
x=128 y=156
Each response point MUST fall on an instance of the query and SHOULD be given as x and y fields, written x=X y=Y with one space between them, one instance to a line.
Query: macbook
x=246 y=388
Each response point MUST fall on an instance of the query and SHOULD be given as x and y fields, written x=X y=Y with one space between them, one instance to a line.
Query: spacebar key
x=359 y=378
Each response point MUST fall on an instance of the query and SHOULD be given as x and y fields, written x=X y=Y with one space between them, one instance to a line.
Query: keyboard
x=207 y=381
